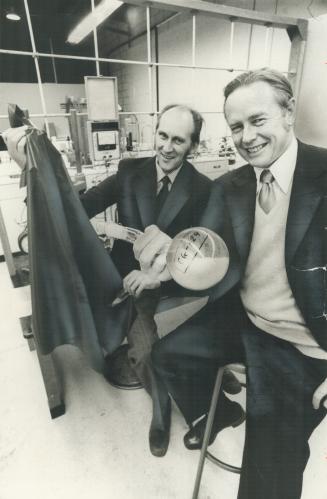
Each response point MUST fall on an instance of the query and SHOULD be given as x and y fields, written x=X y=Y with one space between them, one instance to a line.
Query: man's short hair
x=196 y=116
x=275 y=79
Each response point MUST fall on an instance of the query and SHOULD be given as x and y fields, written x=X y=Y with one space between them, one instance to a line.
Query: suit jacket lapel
x=307 y=192
x=180 y=192
x=146 y=191
x=241 y=198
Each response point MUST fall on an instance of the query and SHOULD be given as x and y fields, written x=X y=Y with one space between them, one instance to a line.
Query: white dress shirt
x=161 y=174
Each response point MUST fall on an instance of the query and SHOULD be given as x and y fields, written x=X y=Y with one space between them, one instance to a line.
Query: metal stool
x=239 y=368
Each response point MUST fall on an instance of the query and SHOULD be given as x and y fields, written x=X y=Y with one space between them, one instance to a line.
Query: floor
x=99 y=448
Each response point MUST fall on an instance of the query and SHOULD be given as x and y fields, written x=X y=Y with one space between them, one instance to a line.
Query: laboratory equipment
x=103 y=119
x=197 y=258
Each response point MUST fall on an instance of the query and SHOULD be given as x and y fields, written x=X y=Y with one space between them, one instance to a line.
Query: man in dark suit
x=168 y=191
x=269 y=311
x=165 y=190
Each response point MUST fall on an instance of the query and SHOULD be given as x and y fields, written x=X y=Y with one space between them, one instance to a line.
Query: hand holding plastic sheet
x=73 y=279
x=15 y=140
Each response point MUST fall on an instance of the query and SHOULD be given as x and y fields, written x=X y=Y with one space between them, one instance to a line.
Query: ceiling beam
x=236 y=14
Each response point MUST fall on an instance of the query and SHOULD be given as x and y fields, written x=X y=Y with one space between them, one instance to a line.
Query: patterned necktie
x=163 y=193
x=267 y=196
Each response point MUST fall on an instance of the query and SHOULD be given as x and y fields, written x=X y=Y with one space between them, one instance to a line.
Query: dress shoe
x=159 y=433
x=159 y=441
x=230 y=383
x=118 y=370
x=235 y=416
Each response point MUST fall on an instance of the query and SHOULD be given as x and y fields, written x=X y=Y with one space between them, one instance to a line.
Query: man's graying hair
x=197 y=120
x=275 y=79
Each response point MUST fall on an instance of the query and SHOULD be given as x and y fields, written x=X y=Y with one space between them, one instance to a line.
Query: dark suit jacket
x=230 y=213
x=134 y=189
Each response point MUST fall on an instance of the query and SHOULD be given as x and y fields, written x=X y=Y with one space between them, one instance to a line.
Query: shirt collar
x=161 y=174
x=283 y=168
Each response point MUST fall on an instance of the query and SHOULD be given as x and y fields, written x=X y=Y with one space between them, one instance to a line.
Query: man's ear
x=193 y=148
x=290 y=112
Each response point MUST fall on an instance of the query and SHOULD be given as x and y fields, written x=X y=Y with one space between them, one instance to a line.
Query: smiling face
x=173 y=139
x=261 y=129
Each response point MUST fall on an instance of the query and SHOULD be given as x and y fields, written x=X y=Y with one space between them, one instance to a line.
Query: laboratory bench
x=12 y=196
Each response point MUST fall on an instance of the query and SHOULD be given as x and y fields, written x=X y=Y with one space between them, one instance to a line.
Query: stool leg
x=207 y=432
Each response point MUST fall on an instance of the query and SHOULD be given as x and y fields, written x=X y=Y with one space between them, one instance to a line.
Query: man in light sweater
x=269 y=311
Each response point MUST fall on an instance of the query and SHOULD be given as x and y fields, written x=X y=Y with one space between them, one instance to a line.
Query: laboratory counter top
x=209 y=164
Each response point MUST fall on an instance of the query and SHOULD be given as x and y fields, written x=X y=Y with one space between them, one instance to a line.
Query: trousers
x=141 y=337
x=280 y=383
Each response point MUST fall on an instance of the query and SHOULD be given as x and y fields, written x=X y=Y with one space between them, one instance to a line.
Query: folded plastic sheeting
x=73 y=279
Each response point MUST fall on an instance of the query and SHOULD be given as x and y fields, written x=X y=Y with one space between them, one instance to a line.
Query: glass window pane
x=257 y=48
x=26 y=95
x=123 y=34
x=176 y=86
x=54 y=21
x=59 y=128
x=213 y=130
x=61 y=98
x=137 y=134
x=212 y=41
x=63 y=136
x=17 y=68
x=133 y=85
x=280 y=50
x=67 y=94
x=200 y=88
x=65 y=70
x=175 y=40
x=209 y=86
x=240 y=54
x=135 y=50
x=14 y=35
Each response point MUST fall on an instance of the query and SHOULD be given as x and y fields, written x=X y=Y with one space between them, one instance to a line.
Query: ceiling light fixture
x=92 y=20
x=12 y=15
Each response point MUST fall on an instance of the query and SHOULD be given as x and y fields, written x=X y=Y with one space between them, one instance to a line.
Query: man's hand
x=320 y=395
x=150 y=249
x=137 y=280
x=15 y=140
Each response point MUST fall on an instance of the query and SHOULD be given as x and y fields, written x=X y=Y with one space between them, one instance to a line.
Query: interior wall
x=312 y=110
